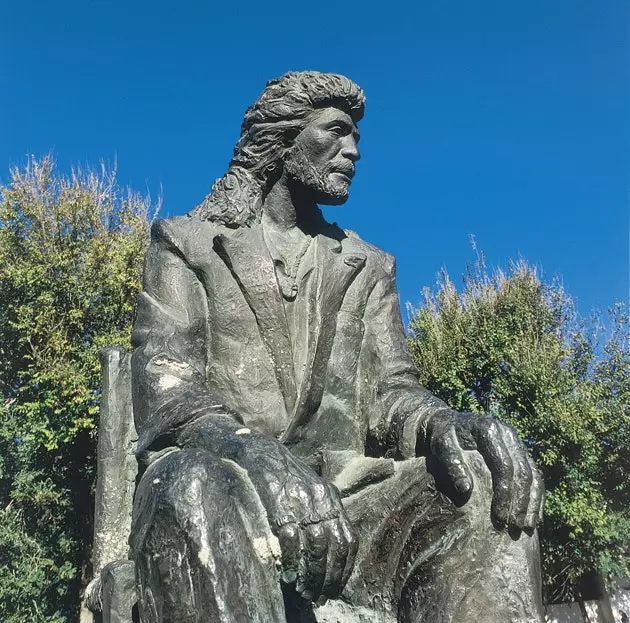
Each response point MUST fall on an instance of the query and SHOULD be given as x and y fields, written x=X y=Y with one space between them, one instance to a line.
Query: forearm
x=227 y=437
x=409 y=417
x=224 y=435
x=272 y=469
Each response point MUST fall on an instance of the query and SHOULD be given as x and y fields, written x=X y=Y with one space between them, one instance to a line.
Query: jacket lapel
x=247 y=256
x=335 y=271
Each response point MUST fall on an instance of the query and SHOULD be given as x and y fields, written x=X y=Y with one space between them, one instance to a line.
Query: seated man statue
x=292 y=466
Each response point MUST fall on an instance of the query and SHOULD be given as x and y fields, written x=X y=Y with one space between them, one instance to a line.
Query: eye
x=338 y=129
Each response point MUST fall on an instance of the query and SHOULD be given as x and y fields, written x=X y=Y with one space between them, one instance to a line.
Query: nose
x=350 y=148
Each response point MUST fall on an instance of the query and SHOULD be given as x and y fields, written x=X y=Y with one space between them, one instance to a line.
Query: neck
x=288 y=205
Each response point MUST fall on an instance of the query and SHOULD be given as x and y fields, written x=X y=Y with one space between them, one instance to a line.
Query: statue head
x=303 y=124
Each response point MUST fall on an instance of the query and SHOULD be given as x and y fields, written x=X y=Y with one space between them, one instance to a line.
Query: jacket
x=211 y=335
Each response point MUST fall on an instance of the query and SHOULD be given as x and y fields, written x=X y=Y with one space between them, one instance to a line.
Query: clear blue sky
x=506 y=120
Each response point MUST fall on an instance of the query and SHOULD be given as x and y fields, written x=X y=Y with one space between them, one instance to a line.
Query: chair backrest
x=116 y=463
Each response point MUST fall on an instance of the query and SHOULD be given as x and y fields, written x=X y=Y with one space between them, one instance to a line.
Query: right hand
x=518 y=488
x=318 y=543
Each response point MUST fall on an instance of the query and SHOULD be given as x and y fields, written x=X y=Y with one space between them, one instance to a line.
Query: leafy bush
x=71 y=251
x=512 y=346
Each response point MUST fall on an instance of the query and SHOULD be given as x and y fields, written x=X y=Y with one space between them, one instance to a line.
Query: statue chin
x=328 y=198
x=331 y=193
x=327 y=194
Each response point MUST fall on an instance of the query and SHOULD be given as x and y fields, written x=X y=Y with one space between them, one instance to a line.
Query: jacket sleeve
x=397 y=405
x=170 y=340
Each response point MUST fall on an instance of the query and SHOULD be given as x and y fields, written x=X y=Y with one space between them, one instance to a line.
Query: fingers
x=445 y=447
x=327 y=559
x=312 y=573
x=344 y=545
x=337 y=555
x=536 y=499
x=318 y=554
x=290 y=541
x=353 y=547
x=516 y=483
x=492 y=447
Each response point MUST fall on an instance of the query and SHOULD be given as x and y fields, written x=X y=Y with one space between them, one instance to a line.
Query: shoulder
x=185 y=234
x=378 y=260
x=168 y=230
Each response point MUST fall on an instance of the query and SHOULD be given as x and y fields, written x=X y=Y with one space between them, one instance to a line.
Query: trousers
x=204 y=551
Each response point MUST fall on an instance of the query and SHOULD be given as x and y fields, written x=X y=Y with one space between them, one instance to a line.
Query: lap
x=406 y=525
x=399 y=520
x=396 y=518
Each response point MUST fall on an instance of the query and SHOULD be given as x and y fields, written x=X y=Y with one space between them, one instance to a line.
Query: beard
x=328 y=189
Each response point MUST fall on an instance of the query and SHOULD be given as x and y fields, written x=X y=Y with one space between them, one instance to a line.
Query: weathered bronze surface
x=292 y=467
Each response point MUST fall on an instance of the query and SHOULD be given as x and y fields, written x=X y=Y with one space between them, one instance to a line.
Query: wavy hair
x=268 y=131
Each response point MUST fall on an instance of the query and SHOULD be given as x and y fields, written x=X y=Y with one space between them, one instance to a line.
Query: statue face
x=323 y=155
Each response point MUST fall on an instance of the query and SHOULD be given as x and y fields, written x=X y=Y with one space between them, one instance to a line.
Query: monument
x=291 y=466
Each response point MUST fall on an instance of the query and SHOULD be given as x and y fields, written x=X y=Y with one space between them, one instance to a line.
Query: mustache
x=342 y=166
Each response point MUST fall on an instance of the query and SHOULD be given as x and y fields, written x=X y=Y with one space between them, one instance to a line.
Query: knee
x=186 y=474
x=182 y=485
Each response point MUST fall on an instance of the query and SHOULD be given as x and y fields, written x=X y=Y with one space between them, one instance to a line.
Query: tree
x=513 y=346
x=71 y=251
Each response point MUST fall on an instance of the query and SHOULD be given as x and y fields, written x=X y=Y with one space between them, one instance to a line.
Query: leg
x=202 y=546
x=425 y=558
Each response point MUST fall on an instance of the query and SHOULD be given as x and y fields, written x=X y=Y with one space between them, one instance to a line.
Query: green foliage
x=70 y=262
x=512 y=346
x=509 y=345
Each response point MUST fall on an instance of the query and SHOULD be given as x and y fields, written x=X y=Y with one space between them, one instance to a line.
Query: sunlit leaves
x=71 y=250
x=512 y=345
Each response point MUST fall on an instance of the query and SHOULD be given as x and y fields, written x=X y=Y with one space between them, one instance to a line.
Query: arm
x=169 y=337
x=398 y=406
x=409 y=421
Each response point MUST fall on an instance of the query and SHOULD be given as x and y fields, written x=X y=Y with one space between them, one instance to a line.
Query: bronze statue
x=292 y=467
